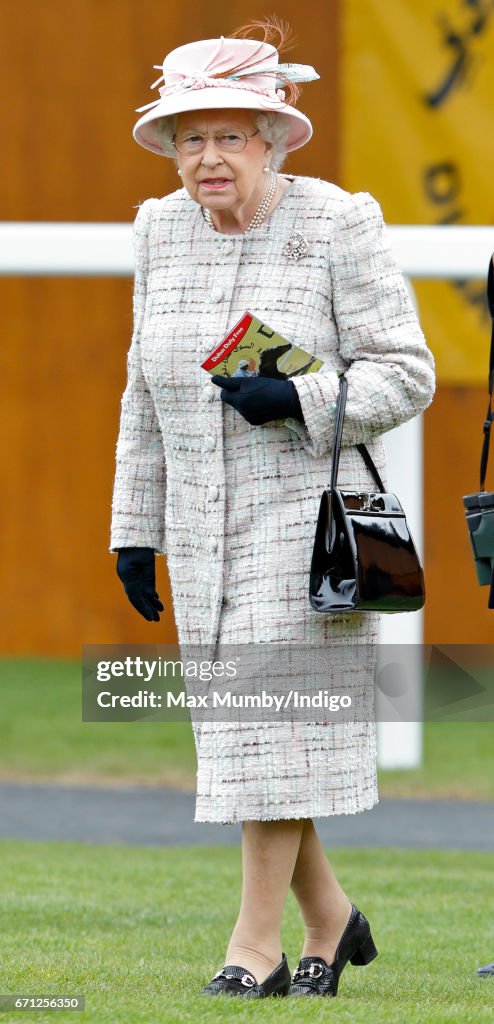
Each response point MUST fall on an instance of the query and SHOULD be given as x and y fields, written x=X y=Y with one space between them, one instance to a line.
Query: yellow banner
x=418 y=133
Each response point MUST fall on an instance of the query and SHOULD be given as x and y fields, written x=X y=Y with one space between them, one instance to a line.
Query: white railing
x=460 y=252
x=38 y=249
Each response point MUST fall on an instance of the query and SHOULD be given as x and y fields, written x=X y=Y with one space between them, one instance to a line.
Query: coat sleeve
x=138 y=505
x=389 y=368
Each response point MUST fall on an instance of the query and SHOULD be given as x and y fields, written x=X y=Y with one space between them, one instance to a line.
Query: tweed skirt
x=281 y=769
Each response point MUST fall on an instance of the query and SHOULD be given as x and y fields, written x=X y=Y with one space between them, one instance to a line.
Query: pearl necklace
x=260 y=212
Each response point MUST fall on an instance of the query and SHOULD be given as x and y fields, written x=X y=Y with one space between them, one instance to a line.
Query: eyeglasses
x=229 y=141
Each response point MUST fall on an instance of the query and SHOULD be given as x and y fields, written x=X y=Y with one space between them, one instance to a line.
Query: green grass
x=42 y=737
x=139 y=931
x=458 y=763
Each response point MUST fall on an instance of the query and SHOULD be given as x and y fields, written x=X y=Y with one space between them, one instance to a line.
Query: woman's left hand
x=260 y=399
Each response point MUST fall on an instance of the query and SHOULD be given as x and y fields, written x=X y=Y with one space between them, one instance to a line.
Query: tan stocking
x=269 y=853
x=325 y=907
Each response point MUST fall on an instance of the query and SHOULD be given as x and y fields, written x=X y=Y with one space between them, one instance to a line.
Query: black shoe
x=315 y=977
x=483 y=972
x=236 y=981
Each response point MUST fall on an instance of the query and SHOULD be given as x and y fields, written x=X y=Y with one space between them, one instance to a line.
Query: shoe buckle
x=247 y=979
x=315 y=971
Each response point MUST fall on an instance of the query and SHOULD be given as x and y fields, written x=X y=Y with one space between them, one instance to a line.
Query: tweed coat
x=234 y=506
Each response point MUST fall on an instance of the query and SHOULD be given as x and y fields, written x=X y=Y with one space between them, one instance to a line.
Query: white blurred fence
x=105 y=250
x=455 y=253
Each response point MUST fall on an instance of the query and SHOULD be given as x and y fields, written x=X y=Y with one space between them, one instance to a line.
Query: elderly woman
x=226 y=478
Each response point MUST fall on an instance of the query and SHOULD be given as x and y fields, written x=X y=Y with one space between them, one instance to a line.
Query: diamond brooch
x=296 y=248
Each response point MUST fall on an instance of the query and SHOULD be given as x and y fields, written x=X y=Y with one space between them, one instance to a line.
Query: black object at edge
x=489 y=417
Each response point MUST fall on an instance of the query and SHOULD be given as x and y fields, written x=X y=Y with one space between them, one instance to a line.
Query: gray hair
x=272 y=126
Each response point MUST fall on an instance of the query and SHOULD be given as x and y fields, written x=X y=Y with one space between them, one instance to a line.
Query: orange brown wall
x=74 y=74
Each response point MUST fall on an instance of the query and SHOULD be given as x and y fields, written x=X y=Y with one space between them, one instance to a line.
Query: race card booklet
x=253 y=349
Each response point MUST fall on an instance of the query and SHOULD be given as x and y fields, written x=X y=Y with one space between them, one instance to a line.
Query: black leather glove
x=260 y=399
x=135 y=567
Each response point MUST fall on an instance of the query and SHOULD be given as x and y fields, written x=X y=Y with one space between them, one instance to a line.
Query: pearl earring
x=179 y=172
x=266 y=169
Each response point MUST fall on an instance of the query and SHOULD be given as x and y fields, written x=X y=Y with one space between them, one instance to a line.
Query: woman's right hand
x=135 y=567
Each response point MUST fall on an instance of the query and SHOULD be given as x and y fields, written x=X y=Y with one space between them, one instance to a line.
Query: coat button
x=208 y=393
x=224 y=601
x=227 y=248
x=214 y=492
x=210 y=443
x=216 y=294
x=213 y=544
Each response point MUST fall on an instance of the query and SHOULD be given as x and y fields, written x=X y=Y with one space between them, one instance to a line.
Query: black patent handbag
x=364 y=558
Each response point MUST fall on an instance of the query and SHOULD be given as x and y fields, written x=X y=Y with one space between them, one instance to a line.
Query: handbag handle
x=338 y=431
x=490 y=415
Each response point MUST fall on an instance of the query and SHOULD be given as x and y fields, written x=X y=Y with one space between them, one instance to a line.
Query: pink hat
x=216 y=73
